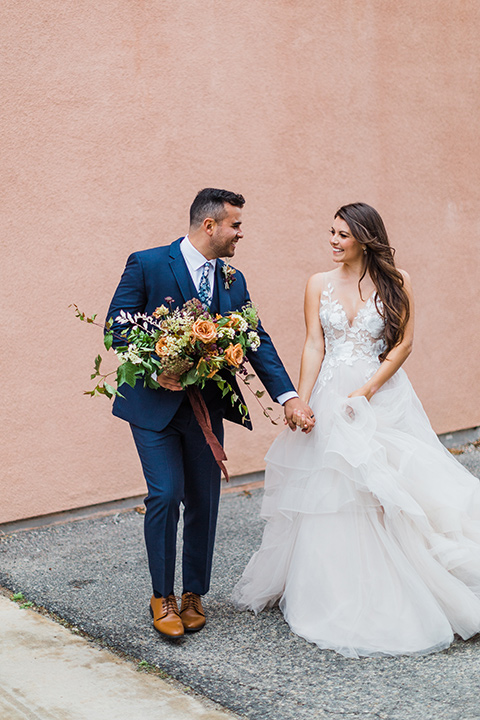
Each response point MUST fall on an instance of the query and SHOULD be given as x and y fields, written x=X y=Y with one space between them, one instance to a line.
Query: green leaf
x=108 y=340
x=98 y=362
x=127 y=373
x=260 y=393
x=109 y=390
x=248 y=378
x=151 y=383
x=18 y=597
x=190 y=378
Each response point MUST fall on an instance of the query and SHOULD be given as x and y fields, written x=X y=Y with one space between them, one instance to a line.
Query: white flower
x=226 y=332
x=242 y=325
x=134 y=358
x=253 y=340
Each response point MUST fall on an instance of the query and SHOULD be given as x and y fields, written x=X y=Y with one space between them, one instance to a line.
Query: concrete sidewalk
x=49 y=673
x=93 y=574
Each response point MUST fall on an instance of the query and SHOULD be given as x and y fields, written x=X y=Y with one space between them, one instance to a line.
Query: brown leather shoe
x=191 y=612
x=165 y=616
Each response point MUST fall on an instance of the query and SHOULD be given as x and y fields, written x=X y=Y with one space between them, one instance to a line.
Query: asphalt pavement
x=92 y=574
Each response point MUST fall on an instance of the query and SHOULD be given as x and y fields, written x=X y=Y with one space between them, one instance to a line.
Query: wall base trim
x=239 y=483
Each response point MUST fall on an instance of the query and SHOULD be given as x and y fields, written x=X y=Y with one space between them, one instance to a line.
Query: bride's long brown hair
x=368 y=229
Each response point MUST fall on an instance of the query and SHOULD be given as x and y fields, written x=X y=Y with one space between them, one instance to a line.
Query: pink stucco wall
x=114 y=114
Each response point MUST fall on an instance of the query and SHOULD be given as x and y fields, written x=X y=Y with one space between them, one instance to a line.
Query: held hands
x=298 y=414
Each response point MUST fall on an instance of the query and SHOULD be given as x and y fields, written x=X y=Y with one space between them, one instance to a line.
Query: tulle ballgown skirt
x=372 y=541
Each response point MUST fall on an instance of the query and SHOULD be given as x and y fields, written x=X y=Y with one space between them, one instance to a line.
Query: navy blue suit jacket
x=149 y=277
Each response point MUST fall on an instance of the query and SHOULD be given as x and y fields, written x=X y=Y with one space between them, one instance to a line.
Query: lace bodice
x=345 y=343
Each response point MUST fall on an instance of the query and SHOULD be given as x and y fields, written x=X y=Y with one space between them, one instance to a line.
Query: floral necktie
x=204 y=287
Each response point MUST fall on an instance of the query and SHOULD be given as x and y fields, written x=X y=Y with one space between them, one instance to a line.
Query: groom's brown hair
x=210 y=202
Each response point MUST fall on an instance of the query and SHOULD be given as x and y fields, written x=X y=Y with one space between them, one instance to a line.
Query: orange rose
x=234 y=355
x=204 y=331
x=232 y=323
x=160 y=347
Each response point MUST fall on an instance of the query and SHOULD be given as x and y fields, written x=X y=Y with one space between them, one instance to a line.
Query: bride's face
x=344 y=246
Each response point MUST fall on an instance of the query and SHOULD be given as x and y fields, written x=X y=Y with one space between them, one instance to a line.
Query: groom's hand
x=168 y=381
x=298 y=414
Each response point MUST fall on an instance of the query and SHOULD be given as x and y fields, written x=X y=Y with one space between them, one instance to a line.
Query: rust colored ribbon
x=200 y=411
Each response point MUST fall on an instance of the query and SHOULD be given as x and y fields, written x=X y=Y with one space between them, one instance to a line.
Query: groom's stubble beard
x=224 y=248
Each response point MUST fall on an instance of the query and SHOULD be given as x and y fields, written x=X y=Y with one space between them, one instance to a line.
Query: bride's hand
x=364 y=391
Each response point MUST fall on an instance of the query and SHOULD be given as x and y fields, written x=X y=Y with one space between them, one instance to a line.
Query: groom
x=178 y=465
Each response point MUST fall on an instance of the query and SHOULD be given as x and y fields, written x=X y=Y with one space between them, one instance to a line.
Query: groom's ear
x=209 y=225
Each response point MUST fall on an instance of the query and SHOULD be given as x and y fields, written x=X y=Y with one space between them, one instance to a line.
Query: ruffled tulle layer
x=372 y=542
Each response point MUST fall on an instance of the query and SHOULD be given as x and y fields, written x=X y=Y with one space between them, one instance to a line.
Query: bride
x=372 y=541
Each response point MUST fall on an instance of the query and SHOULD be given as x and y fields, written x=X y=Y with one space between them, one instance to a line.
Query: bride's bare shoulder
x=318 y=282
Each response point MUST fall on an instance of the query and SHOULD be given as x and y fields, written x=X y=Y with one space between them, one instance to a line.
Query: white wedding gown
x=372 y=541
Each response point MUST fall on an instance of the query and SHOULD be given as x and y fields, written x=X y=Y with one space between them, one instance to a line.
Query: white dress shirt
x=195 y=262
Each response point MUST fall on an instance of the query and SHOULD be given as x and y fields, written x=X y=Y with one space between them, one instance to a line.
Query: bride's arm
x=314 y=347
x=397 y=355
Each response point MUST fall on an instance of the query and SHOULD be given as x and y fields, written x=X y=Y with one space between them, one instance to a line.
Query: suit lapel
x=224 y=297
x=180 y=271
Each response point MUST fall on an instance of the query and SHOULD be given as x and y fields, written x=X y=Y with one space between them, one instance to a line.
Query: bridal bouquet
x=186 y=341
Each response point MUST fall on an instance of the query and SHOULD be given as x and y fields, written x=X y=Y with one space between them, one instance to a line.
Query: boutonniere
x=228 y=273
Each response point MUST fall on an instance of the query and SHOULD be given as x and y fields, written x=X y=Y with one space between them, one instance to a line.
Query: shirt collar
x=194 y=258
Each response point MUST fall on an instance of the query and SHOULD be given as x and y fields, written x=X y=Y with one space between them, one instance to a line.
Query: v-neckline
x=330 y=289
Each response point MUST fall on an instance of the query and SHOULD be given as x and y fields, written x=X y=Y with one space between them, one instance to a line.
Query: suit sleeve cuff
x=282 y=399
